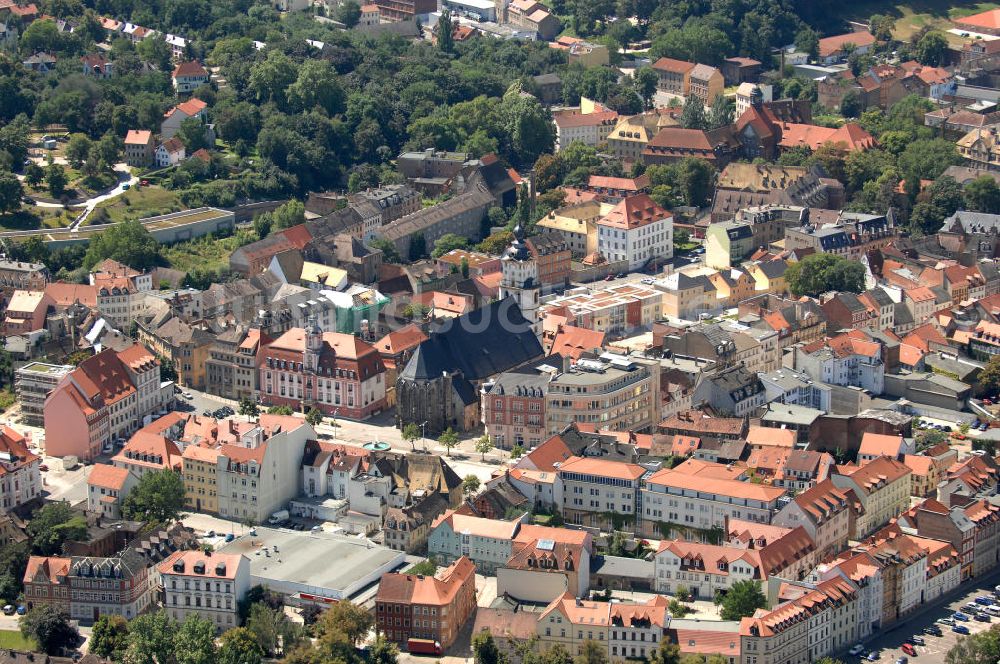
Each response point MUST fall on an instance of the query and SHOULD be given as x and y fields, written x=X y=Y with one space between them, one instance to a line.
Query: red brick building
x=426 y=607
x=339 y=374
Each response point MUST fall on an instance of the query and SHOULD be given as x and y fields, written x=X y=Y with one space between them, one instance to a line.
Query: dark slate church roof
x=479 y=344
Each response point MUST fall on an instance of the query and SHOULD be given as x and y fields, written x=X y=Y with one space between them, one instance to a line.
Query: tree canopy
x=819 y=273
x=159 y=497
x=742 y=599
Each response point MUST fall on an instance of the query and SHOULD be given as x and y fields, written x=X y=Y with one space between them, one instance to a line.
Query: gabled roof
x=190 y=68
x=674 y=66
x=830 y=45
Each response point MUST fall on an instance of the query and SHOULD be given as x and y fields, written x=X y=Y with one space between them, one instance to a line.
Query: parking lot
x=888 y=644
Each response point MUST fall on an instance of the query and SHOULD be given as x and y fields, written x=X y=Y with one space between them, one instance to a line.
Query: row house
x=107 y=396
x=820 y=621
x=595 y=489
x=827 y=514
x=206 y=584
x=88 y=587
x=703 y=501
x=904 y=573
x=20 y=474
x=487 y=543
x=231 y=366
x=936 y=521
x=23 y=275
x=865 y=572
x=545 y=563
x=847 y=360
x=705 y=569
x=426 y=607
x=883 y=488
x=626 y=631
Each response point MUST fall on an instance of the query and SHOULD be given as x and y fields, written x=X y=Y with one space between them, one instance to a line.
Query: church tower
x=314 y=344
x=519 y=279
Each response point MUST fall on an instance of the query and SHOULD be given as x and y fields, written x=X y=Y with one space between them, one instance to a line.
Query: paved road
x=888 y=642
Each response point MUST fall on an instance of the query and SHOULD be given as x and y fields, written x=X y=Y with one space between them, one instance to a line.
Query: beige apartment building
x=622 y=394
x=577 y=224
x=883 y=485
x=594 y=488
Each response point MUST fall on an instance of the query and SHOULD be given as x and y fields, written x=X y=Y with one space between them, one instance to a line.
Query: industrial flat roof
x=332 y=565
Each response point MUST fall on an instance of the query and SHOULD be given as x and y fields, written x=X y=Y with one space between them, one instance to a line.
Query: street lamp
x=423 y=434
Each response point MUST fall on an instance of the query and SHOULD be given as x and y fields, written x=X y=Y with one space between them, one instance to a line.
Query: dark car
x=958 y=615
x=982 y=617
x=960 y=629
x=916 y=640
x=932 y=630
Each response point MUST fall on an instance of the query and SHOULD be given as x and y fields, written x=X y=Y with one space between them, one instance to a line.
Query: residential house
x=826 y=512
x=189 y=76
x=169 y=153
x=883 y=488
x=636 y=230
x=443 y=602
x=207 y=584
x=139 y=148
x=107 y=487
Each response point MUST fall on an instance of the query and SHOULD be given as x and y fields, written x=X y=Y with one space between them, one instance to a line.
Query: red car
x=909 y=650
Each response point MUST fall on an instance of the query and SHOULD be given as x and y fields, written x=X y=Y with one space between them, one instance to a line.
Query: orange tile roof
x=675 y=66
x=572 y=341
x=64 y=294
x=108 y=477
x=770 y=436
x=634 y=212
x=878 y=473
x=547 y=455
x=910 y=355
x=138 y=137
x=52 y=567
x=877 y=444
x=477 y=526
x=210 y=560
x=405 y=338
x=721 y=487
x=989 y=19
x=602 y=468
x=189 y=68
x=830 y=45
x=919 y=464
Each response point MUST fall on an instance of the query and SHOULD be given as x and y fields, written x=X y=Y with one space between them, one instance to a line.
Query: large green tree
x=981 y=648
x=109 y=637
x=194 y=641
x=11 y=192
x=150 y=639
x=159 y=497
x=819 y=273
x=127 y=242
x=743 y=598
x=239 y=646
x=50 y=628
x=983 y=195
x=54 y=524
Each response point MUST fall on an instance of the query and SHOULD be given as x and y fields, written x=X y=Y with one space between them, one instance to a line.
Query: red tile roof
x=831 y=45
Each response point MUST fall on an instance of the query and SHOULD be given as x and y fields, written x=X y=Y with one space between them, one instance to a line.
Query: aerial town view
x=499 y=331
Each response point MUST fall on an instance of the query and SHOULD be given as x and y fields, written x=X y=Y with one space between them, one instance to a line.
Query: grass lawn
x=12 y=639
x=30 y=218
x=207 y=252
x=138 y=203
x=912 y=16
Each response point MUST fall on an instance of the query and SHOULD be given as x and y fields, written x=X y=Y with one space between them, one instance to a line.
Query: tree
x=881 y=26
x=527 y=127
x=592 y=652
x=667 y=653
x=272 y=628
x=819 y=273
x=383 y=651
x=484 y=445
x=289 y=214
x=150 y=639
x=11 y=192
x=470 y=484
x=34 y=175
x=109 y=637
x=851 y=104
x=410 y=433
x=314 y=416
x=55 y=178
x=445 y=37
x=54 y=524
x=192 y=135
x=983 y=195
x=348 y=13
x=194 y=642
x=424 y=568
x=280 y=410
x=931 y=48
x=127 y=242
x=693 y=114
x=807 y=41
x=249 y=408
x=981 y=648
x=722 y=112
x=317 y=84
x=449 y=242
x=928 y=158
x=743 y=598
x=50 y=628
x=485 y=650
x=239 y=647
x=449 y=439
x=389 y=252
x=517 y=451
x=989 y=377
x=158 y=497
x=646 y=80
x=354 y=621
x=77 y=149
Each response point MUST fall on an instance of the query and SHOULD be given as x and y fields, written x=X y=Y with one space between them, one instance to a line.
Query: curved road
x=87 y=206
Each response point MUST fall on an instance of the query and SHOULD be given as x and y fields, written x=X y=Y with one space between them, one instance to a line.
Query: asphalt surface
x=888 y=642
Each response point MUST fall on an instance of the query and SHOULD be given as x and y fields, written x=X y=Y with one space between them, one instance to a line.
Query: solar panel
x=546 y=545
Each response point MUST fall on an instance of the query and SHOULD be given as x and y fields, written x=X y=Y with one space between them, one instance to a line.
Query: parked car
x=982 y=617
x=916 y=640
x=909 y=650
x=857 y=649
x=932 y=630
x=960 y=629
x=872 y=656
x=187 y=395
x=958 y=615
x=230 y=537
x=43 y=468
x=946 y=621
x=9 y=610
x=985 y=600
x=902 y=659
